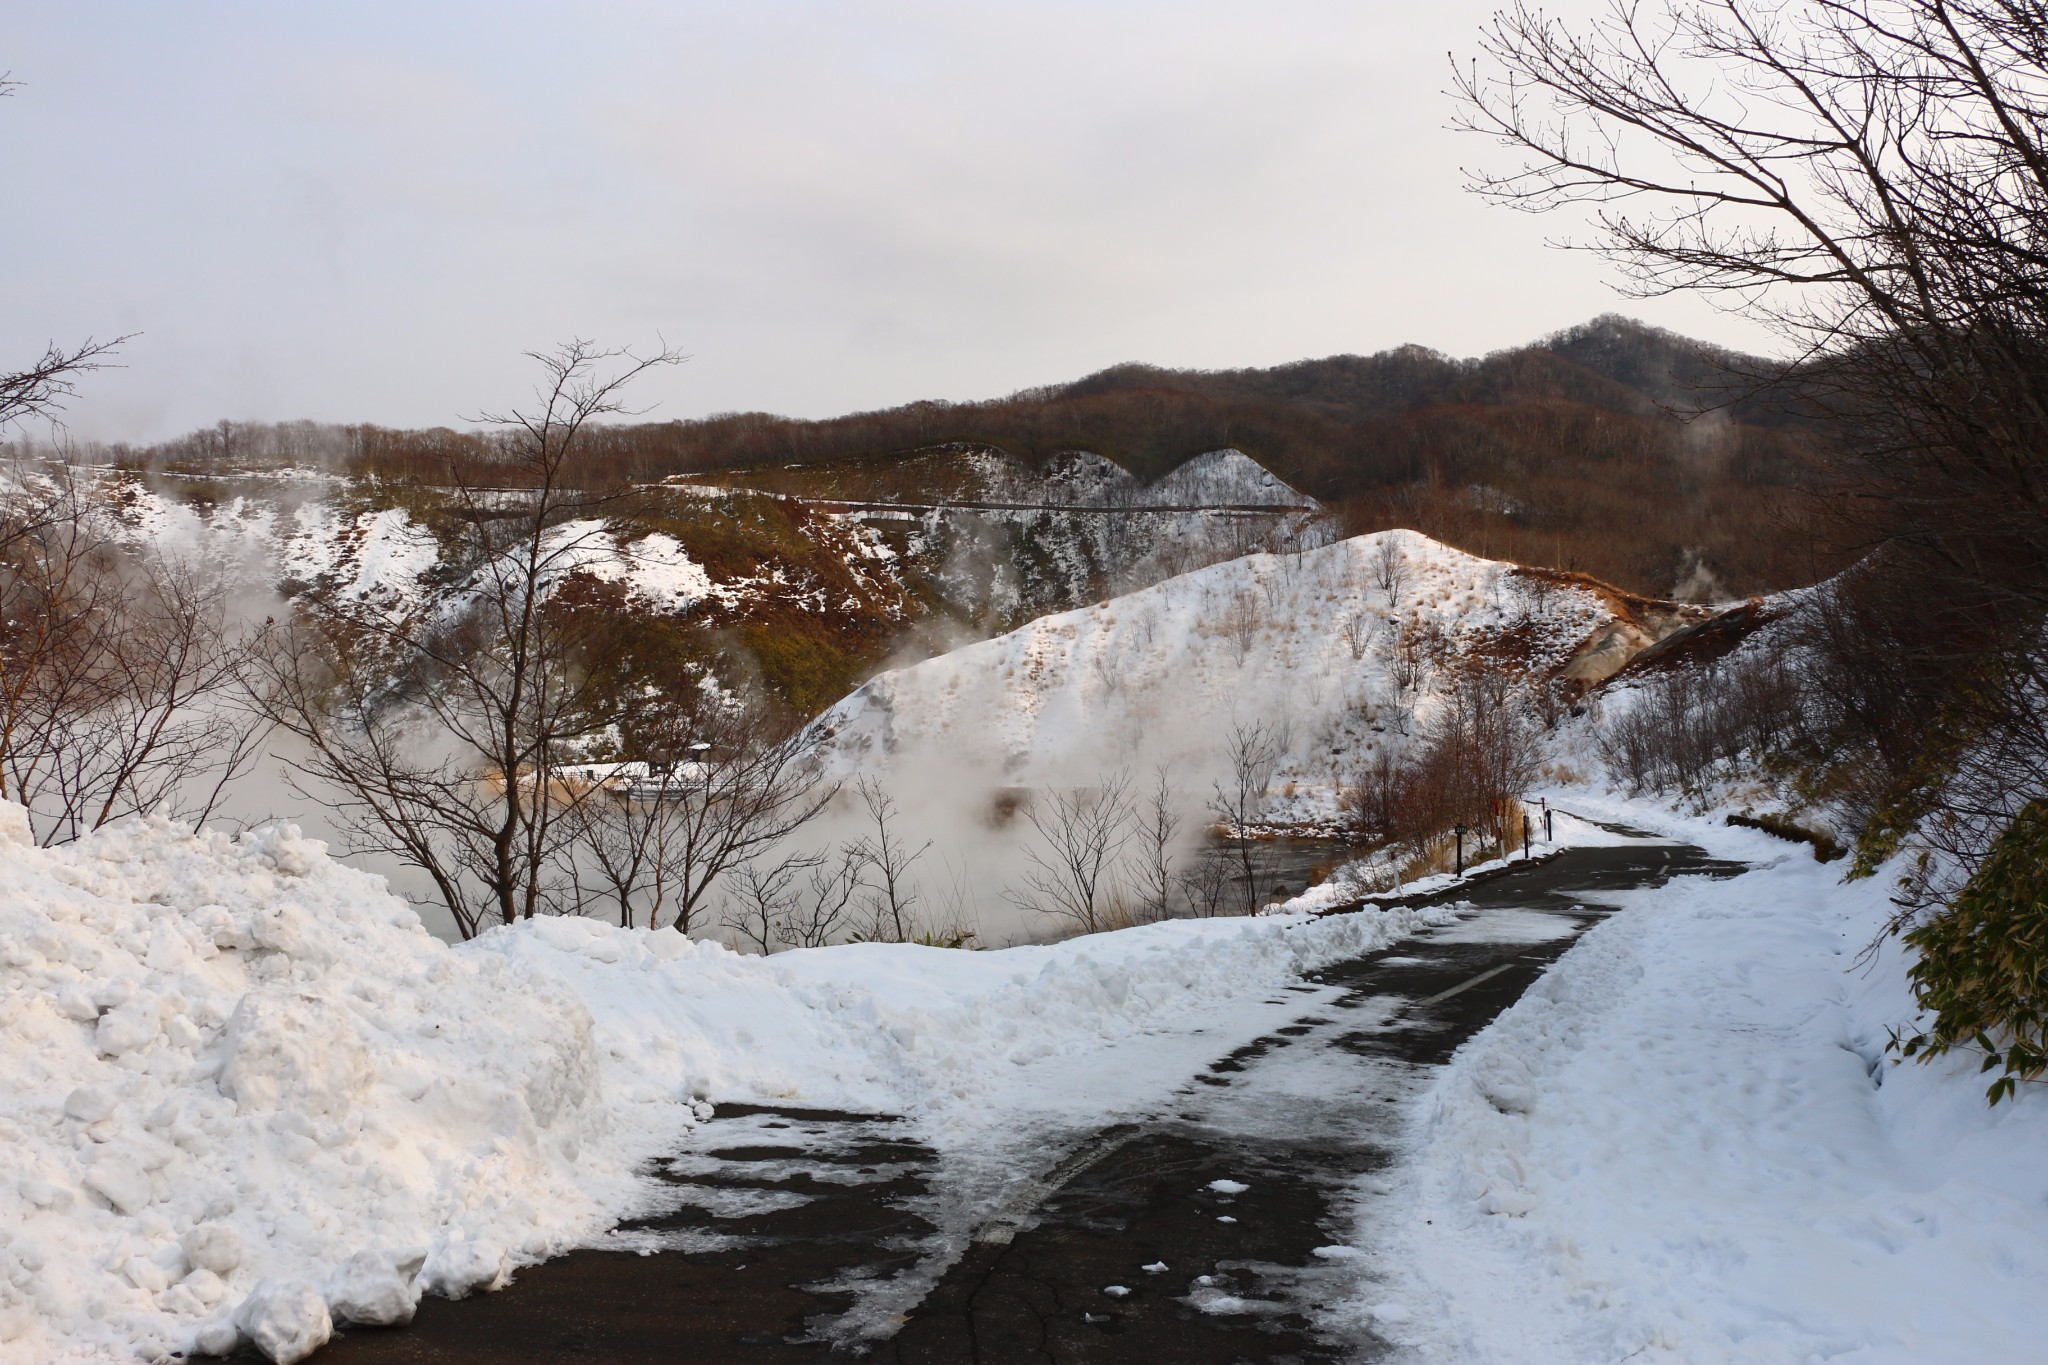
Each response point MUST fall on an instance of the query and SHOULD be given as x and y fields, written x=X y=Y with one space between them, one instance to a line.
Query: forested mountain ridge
x=1645 y=458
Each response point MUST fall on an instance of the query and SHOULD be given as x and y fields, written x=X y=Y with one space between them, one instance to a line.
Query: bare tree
x=729 y=778
x=118 y=667
x=1360 y=629
x=1870 y=181
x=1388 y=564
x=1375 y=799
x=1082 y=832
x=41 y=390
x=885 y=854
x=1205 y=883
x=1407 y=657
x=799 y=900
x=1478 y=756
x=443 y=736
x=1156 y=827
x=1252 y=753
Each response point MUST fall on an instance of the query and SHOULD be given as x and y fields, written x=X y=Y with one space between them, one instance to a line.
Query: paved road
x=799 y=1236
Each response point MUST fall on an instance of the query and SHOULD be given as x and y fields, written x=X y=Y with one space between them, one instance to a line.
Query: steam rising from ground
x=1336 y=659
x=1331 y=654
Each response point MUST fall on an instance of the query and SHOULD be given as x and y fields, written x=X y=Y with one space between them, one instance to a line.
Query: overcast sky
x=365 y=212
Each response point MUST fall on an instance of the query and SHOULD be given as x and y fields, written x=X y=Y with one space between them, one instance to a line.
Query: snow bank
x=245 y=1096
x=231 y=1065
x=1686 y=1144
x=933 y=1033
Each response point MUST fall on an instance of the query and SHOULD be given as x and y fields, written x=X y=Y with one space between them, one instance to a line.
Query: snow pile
x=1686 y=1144
x=1304 y=643
x=937 y=1034
x=242 y=1090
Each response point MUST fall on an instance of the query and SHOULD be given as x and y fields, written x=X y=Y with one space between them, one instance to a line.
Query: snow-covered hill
x=1312 y=645
x=1223 y=478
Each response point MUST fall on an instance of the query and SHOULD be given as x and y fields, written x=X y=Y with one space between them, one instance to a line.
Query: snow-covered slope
x=1309 y=644
x=979 y=537
x=1222 y=478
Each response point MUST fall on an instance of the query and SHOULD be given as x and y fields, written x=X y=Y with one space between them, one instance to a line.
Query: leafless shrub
x=1240 y=622
x=887 y=857
x=1408 y=657
x=1360 y=629
x=1207 y=884
x=1678 y=725
x=1478 y=754
x=118 y=671
x=1388 y=565
x=730 y=782
x=795 y=901
x=1374 y=800
x=1082 y=833
x=1551 y=699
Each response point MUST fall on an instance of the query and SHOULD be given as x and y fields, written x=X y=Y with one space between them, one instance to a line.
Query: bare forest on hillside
x=1612 y=449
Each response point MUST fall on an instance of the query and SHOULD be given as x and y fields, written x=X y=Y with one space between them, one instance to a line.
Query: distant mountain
x=1659 y=463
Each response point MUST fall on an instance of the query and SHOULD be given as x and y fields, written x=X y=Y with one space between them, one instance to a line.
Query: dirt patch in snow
x=1639 y=624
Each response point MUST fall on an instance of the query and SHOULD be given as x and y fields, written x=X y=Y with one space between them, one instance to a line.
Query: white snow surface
x=231 y=1061
x=243 y=1094
x=1222 y=478
x=1163 y=674
x=655 y=567
x=1686 y=1144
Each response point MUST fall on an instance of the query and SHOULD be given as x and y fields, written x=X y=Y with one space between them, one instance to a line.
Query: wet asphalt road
x=800 y=1236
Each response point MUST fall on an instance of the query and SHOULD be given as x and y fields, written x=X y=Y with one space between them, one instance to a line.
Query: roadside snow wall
x=1686 y=1144
x=228 y=1061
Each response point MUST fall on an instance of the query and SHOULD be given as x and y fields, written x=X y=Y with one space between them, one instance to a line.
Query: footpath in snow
x=1686 y=1144
x=243 y=1094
